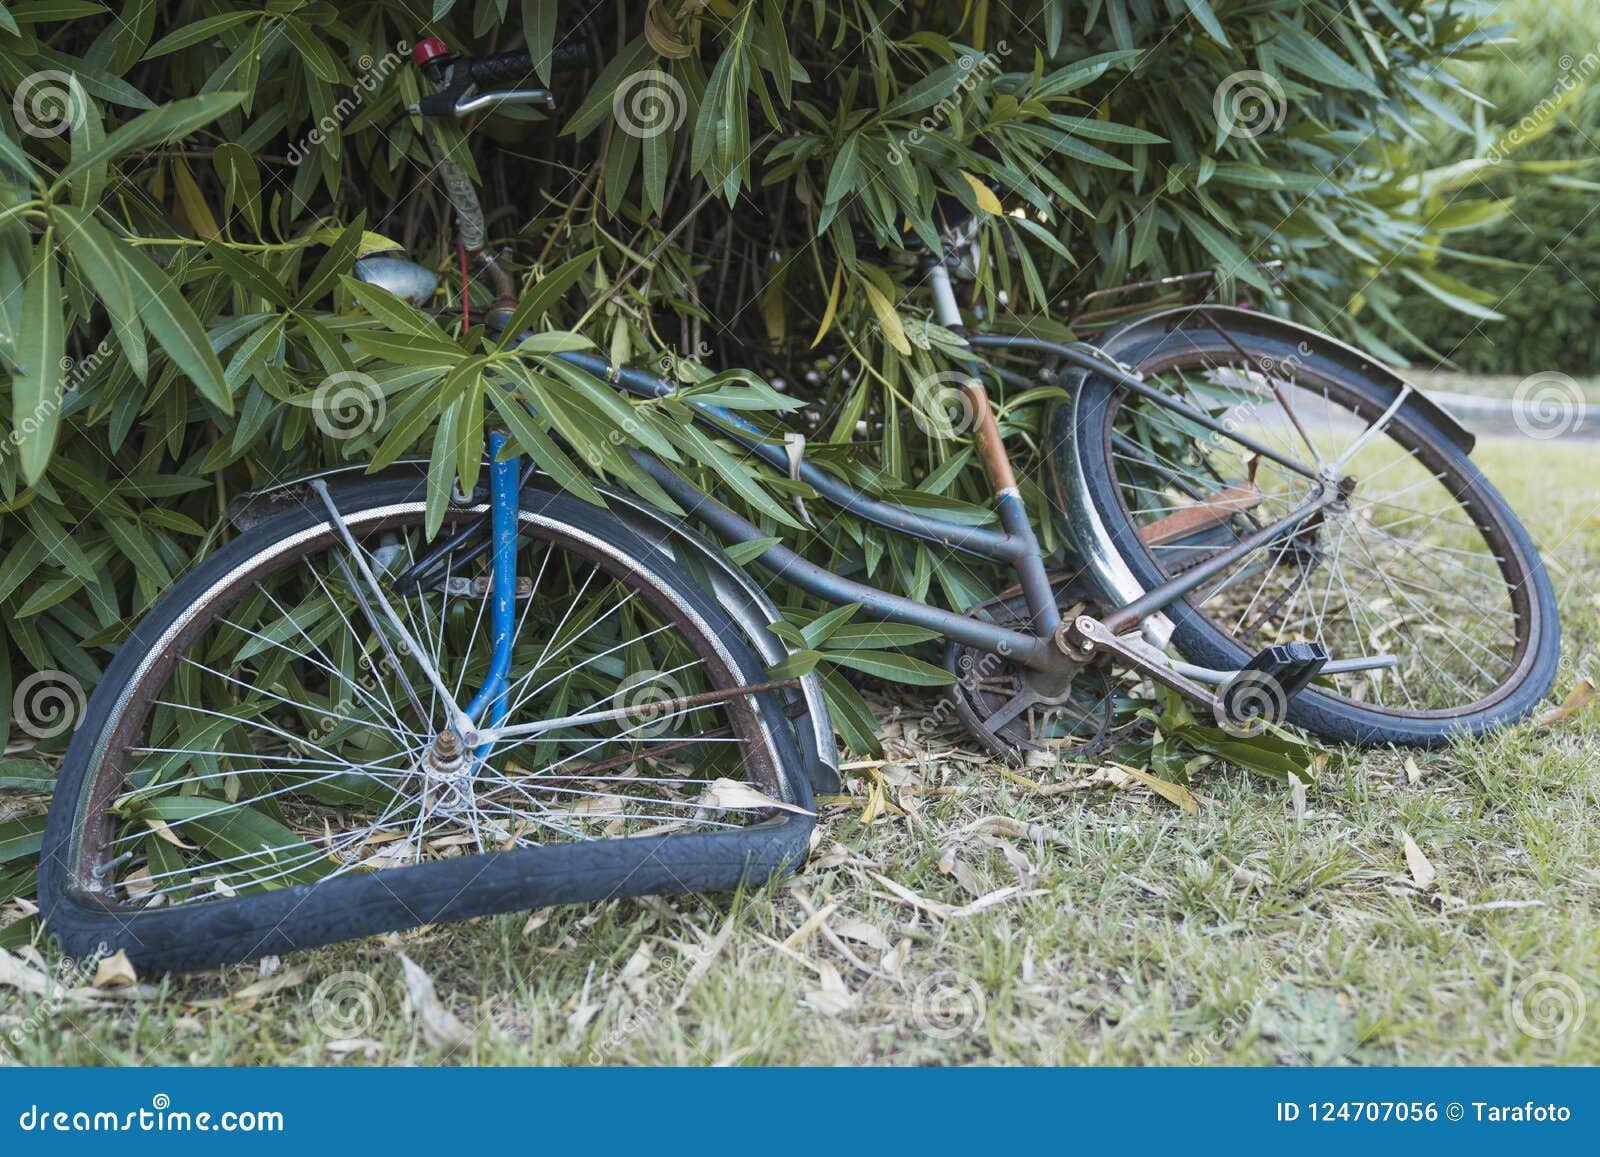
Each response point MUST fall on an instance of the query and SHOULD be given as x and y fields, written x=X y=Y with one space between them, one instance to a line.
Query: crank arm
x=1086 y=636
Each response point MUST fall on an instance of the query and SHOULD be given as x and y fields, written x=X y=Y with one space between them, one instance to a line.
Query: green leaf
x=876 y=636
x=398 y=315
x=850 y=713
x=198 y=32
x=817 y=631
x=928 y=91
x=543 y=294
x=41 y=345
x=744 y=553
x=27 y=774
x=539 y=26
x=158 y=126
x=95 y=254
x=893 y=667
x=175 y=327
x=795 y=665
x=533 y=441
x=21 y=838
x=253 y=844
x=1208 y=20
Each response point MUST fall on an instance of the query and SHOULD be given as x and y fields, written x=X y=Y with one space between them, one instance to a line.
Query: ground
x=954 y=913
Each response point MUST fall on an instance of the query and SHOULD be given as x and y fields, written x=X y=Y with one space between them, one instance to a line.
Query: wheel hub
x=446 y=775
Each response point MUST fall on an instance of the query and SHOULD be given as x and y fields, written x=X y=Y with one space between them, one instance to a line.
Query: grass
x=973 y=919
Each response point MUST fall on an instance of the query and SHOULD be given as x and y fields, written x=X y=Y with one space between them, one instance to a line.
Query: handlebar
x=466 y=84
x=507 y=67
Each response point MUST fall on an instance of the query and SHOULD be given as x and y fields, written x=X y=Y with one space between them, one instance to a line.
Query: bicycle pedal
x=1264 y=687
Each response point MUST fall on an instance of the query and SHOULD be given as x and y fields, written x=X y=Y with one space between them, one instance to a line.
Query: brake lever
x=466 y=105
x=462 y=98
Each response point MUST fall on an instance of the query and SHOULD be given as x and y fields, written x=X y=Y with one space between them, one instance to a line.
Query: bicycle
x=284 y=752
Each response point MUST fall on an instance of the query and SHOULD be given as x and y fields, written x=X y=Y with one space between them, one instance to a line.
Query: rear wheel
x=1419 y=557
x=262 y=770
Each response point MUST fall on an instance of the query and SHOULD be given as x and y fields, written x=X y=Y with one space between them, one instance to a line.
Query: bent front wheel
x=264 y=769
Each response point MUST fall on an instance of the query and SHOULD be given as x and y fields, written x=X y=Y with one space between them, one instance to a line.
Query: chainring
x=1001 y=703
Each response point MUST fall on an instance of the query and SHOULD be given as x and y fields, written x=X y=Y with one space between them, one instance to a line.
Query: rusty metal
x=991 y=446
x=1203 y=515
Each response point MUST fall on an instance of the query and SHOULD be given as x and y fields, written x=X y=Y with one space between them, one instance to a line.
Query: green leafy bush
x=1544 y=85
x=184 y=188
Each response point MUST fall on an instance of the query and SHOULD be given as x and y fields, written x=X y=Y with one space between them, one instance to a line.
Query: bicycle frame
x=1051 y=646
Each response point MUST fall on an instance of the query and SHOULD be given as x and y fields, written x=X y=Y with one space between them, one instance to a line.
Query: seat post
x=985 y=429
x=997 y=469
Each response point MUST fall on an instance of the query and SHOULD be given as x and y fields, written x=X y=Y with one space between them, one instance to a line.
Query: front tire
x=155 y=846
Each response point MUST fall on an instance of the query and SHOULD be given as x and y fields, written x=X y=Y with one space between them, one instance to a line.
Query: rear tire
x=1350 y=389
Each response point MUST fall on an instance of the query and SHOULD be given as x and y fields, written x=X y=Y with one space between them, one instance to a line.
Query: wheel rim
x=270 y=739
x=1416 y=562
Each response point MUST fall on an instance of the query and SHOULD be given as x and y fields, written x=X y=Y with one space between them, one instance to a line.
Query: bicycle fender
x=1308 y=340
x=1077 y=515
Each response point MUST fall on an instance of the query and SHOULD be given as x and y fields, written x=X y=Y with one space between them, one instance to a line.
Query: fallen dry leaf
x=115 y=971
x=161 y=828
x=808 y=929
x=1297 y=797
x=895 y=959
x=440 y=1026
x=951 y=864
x=1017 y=830
x=1577 y=699
x=275 y=982
x=1422 y=871
x=1171 y=792
x=14 y=973
x=951 y=911
x=584 y=1012
x=833 y=998
x=861 y=932
x=730 y=794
